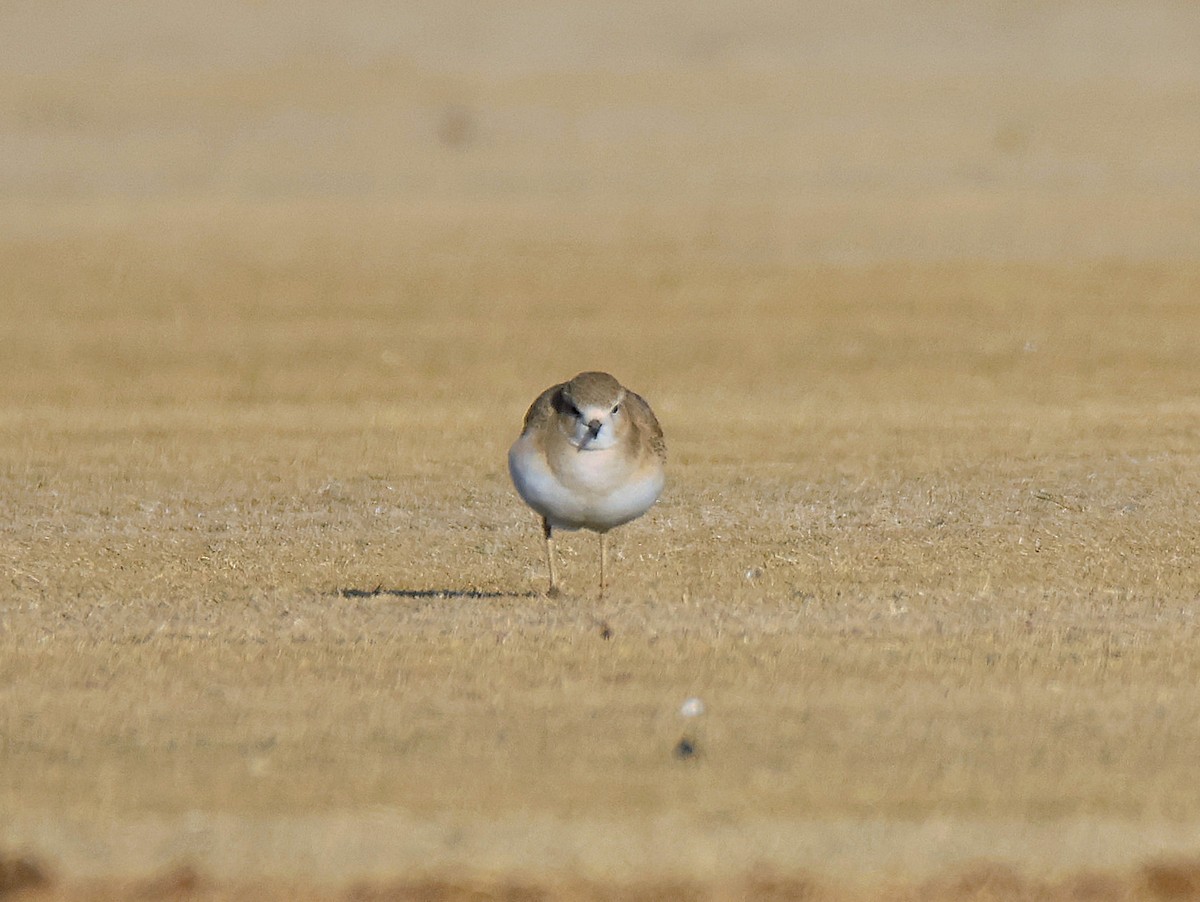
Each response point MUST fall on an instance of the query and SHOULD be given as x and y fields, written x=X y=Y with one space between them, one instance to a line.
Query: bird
x=590 y=455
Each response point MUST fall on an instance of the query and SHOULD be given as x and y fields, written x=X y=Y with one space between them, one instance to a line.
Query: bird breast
x=594 y=489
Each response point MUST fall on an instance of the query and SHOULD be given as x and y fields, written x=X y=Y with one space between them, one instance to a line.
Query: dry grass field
x=923 y=340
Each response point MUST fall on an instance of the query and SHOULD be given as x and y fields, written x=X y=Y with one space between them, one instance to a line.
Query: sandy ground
x=914 y=296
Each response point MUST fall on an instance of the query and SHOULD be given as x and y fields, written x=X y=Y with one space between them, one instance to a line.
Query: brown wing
x=646 y=422
x=543 y=407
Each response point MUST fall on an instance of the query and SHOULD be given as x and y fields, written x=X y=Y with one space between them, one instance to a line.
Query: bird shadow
x=381 y=592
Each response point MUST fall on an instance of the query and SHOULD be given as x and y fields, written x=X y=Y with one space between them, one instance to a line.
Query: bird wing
x=646 y=422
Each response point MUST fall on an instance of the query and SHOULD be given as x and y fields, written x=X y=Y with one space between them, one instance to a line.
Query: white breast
x=586 y=489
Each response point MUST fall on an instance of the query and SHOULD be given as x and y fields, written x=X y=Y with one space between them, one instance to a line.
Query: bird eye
x=616 y=407
x=575 y=412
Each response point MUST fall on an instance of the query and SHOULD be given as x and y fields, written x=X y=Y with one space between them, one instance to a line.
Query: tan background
x=841 y=132
x=913 y=288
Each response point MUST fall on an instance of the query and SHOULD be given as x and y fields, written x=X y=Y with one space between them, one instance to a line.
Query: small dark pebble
x=456 y=127
x=686 y=748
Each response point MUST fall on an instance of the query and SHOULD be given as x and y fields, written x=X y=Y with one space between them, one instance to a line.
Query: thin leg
x=603 y=563
x=548 y=532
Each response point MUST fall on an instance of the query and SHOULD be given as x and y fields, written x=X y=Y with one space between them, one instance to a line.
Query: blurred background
x=830 y=131
x=912 y=287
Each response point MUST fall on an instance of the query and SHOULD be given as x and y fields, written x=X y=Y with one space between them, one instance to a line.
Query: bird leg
x=548 y=532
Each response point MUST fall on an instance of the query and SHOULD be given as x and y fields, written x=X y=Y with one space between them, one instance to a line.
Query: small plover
x=590 y=456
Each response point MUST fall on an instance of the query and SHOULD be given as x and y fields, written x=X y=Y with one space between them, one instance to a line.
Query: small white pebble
x=692 y=707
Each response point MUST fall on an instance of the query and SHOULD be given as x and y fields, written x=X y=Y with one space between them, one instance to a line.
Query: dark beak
x=594 y=428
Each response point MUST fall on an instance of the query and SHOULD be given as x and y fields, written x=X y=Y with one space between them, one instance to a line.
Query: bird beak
x=594 y=428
